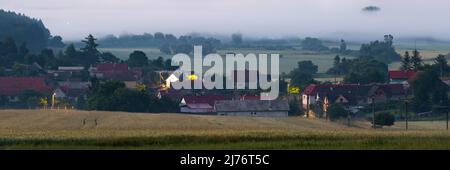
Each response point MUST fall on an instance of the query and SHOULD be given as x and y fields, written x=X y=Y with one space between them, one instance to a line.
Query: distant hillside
x=22 y=29
x=422 y=40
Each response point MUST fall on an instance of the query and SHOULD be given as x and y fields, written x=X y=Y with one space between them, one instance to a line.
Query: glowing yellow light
x=192 y=77
x=294 y=90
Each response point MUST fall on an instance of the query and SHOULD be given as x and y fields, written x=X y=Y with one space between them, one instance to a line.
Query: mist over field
x=352 y=19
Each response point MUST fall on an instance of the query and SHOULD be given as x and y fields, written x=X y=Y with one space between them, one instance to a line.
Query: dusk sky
x=74 y=19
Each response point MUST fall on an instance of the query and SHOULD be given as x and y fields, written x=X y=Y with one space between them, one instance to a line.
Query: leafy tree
x=428 y=89
x=381 y=51
x=130 y=100
x=294 y=108
x=336 y=111
x=384 y=119
x=307 y=67
x=343 y=46
x=168 y=65
x=236 y=38
x=102 y=95
x=165 y=48
x=365 y=71
x=22 y=52
x=159 y=36
x=340 y=66
x=313 y=44
x=137 y=59
x=158 y=63
x=389 y=39
x=303 y=74
x=21 y=70
x=164 y=105
x=113 y=96
x=48 y=57
x=3 y=100
x=22 y=28
x=31 y=98
x=337 y=61
x=109 y=58
x=9 y=46
x=55 y=41
x=70 y=56
x=183 y=48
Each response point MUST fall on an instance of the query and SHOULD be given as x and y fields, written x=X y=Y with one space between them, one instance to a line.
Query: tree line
x=27 y=31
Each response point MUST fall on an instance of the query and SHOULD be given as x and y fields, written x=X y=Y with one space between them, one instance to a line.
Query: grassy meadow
x=53 y=129
x=289 y=58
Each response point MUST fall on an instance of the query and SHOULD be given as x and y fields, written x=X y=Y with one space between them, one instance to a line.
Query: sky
x=74 y=19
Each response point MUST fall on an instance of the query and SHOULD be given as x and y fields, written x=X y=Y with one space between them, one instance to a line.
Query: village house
x=13 y=87
x=66 y=73
x=200 y=104
x=72 y=90
x=119 y=72
x=317 y=98
x=256 y=108
x=401 y=77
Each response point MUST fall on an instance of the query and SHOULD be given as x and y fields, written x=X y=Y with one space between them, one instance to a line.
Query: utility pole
x=406 y=113
x=348 y=119
x=445 y=109
x=373 y=112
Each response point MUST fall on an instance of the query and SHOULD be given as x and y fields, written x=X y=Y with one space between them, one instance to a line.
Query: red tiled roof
x=250 y=97
x=402 y=74
x=112 y=67
x=74 y=92
x=312 y=89
x=17 y=85
x=209 y=99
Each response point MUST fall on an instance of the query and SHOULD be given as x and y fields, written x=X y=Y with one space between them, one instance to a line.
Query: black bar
x=172 y=159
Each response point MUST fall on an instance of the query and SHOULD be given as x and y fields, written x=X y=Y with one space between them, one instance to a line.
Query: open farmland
x=50 y=129
x=288 y=59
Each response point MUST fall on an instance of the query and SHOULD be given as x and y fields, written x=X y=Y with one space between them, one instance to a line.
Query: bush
x=294 y=108
x=336 y=111
x=384 y=119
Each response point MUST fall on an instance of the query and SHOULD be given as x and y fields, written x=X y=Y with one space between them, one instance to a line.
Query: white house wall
x=255 y=114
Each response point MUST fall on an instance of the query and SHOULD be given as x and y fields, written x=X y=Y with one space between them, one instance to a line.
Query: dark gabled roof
x=111 y=67
x=324 y=89
x=251 y=105
x=250 y=97
x=207 y=99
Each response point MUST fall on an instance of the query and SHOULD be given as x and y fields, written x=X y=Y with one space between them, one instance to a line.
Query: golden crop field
x=59 y=129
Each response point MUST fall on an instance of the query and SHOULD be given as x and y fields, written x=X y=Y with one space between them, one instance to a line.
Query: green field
x=50 y=129
x=289 y=58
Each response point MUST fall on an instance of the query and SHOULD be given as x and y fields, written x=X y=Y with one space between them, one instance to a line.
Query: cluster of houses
x=245 y=105
x=70 y=83
x=316 y=99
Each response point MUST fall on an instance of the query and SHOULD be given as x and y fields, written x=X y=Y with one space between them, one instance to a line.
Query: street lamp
x=406 y=113
x=373 y=112
x=446 y=109
x=406 y=87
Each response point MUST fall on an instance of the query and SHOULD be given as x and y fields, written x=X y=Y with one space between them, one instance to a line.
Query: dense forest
x=26 y=30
